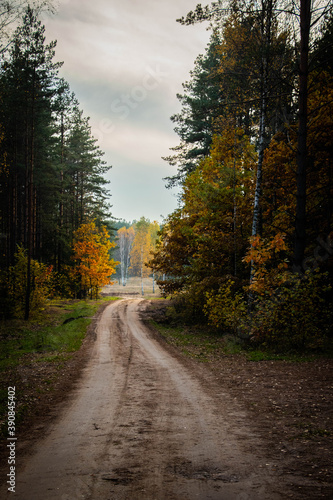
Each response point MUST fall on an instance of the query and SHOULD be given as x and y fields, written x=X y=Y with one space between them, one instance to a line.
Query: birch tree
x=125 y=243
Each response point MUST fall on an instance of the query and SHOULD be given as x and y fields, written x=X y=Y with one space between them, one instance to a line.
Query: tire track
x=141 y=427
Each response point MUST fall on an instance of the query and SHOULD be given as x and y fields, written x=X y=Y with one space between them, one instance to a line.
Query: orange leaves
x=93 y=265
x=262 y=253
x=279 y=183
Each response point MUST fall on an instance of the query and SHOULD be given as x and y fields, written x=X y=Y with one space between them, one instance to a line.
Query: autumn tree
x=240 y=202
x=280 y=186
x=141 y=248
x=255 y=61
x=143 y=244
x=93 y=264
x=311 y=14
x=205 y=240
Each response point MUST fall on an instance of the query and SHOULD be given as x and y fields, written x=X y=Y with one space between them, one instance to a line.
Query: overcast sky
x=126 y=60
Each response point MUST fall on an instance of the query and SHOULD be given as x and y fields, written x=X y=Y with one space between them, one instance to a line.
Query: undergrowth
x=202 y=343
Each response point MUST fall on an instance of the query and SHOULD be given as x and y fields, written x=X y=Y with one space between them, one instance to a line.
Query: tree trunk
x=265 y=67
x=29 y=229
x=30 y=194
x=300 y=219
x=235 y=208
x=61 y=203
x=142 y=292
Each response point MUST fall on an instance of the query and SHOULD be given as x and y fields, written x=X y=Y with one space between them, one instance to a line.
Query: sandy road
x=140 y=426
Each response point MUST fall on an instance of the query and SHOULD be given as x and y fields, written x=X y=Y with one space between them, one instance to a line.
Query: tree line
x=249 y=249
x=53 y=192
x=135 y=243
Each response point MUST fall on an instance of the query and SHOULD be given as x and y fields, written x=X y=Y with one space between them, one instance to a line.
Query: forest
x=249 y=250
x=53 y=194
x=216 y=381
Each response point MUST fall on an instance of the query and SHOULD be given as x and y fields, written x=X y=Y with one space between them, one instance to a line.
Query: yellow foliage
x=225 y=309
x=143 y=245
x=267 y=278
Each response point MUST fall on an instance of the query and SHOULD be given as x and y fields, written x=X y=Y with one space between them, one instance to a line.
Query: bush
x=188 y=305
x=296 y=316
x=225 y=309
x=14 y=286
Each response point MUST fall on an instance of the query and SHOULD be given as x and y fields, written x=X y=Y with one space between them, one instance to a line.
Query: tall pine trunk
x=300 y=219
x=30 y=195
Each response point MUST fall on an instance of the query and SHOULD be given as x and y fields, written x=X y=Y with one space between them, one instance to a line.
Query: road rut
x=141 y=426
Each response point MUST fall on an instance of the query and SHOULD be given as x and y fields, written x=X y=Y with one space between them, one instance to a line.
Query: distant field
x=133 y=286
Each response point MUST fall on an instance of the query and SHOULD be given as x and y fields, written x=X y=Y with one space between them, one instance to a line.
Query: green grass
x=195 y=343
x=59 y=331
x=49 y=339
x=203 y=344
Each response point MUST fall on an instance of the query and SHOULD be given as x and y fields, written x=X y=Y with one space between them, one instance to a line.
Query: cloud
x=126 y=61
x=137 y=145
x=138 y=190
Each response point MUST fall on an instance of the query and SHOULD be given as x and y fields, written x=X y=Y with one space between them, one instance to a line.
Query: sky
x=126 y=60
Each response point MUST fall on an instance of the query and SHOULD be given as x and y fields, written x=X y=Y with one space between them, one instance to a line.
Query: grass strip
x=33 y=354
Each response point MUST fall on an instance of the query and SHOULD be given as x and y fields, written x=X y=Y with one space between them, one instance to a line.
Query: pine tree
x=84 y=170
x=27 y=88
x=11 y=11
x=201 y=105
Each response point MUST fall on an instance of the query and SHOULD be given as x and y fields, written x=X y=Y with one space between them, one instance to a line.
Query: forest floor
x=276 y=418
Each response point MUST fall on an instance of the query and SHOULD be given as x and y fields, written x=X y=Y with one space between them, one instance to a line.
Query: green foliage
x=52 y=331
x=201 y=106
x=288 y=311
x=194 y=343
x=68 y=335
x=298 y=315
x=61 y=284
x=14 y=286
x=188 y=306
x=226 y=309
x=51 y=168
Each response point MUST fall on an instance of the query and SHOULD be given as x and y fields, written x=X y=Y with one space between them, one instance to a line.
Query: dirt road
x=141 y=426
